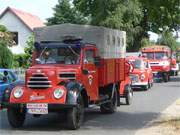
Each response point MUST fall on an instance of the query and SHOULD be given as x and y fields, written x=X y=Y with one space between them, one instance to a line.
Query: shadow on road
x=93 y=120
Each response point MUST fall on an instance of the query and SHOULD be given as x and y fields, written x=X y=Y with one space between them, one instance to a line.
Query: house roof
x=31 y=21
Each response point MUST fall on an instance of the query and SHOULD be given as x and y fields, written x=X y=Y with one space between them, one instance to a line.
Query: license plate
x=37 y=108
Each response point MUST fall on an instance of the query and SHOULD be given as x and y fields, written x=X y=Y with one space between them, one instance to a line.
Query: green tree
x=6 y=40
x=118 y=14
x=29 y=50
x=24 y=60
x=168 y=40
x=159 y=15
x=65 y=12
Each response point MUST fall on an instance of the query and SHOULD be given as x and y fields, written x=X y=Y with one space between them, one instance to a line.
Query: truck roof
x=156 y=48
x=111 y=43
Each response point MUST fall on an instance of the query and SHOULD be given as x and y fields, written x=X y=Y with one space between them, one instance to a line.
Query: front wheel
x=16 y=117
x=129 y=96
x=166 y=77
x=75 y=115
x=111 y=106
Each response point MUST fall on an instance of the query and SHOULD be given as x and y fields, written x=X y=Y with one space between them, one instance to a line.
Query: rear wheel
x=111 y=106
x=16 y=117
x=75 y=115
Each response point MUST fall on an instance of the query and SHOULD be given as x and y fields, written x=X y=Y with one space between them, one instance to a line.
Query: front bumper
x=51 y=107
x=139 y=84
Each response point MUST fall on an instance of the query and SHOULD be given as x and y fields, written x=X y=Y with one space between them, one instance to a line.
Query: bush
x=6 y=56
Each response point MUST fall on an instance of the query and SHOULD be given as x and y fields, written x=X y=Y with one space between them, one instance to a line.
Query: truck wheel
x=166 y=77
x=176 y=73
x=16 y=117
x=111 y=106
x=146 y=87
x=129 y=96
x=75 y=115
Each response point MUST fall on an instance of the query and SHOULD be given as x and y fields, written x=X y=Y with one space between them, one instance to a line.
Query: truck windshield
x=149 y=55
x=138 y=64
x=160 y=55
x=59 y=55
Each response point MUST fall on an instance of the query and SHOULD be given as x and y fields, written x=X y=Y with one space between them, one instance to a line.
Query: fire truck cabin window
x=161 y=55
x=89 y=56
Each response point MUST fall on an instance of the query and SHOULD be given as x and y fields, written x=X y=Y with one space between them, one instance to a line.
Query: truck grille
x=67 y=76
x=134 y=78
x=39 y=81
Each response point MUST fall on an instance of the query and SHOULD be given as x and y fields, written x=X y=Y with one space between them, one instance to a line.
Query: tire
x=129 y=96
x=166 y=77
x=146 y=87
x=75 y=115
x=111 y=106
x=16 y=117
x=176 y=73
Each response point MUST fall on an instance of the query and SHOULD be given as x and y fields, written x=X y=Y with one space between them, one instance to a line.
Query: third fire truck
x=160 y=61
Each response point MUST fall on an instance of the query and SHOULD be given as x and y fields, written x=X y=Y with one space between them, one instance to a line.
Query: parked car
x=8 y=80
x=141 y=75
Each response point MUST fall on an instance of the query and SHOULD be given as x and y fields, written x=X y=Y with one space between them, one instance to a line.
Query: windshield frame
x=56 y=45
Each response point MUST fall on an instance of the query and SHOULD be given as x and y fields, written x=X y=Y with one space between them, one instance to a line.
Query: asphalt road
x=146 y=107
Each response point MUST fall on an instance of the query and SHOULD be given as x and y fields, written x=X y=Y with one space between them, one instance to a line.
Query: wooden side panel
x=122 y=69
x=112 y=70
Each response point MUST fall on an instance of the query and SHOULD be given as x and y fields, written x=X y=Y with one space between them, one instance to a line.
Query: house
x=21 y=24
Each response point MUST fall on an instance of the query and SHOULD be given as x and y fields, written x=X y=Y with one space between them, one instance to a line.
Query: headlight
x=58 y=93
x=18 y=92
x=142 y=76
x=164 y=63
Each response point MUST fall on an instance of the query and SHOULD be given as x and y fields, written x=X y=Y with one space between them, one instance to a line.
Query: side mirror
x=97 y=61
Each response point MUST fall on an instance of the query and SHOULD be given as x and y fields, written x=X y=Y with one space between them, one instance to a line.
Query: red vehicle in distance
x=160 y=60
x=141 y=75
x=70 y=74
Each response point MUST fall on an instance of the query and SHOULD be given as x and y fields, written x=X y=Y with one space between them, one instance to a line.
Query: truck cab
x=160 y=61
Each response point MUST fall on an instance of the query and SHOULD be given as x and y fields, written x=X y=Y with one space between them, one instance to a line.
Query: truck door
x=90 y=77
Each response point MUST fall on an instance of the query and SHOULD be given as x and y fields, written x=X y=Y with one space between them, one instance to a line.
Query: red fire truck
x=74 y=67
x=160 y=61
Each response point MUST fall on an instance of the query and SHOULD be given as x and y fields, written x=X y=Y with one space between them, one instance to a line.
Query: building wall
x=13 y=24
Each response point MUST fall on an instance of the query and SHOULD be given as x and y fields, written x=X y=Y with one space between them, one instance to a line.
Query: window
x=15 y=37
x=123 y=43
x=114 y=40
x=108 y=39
x=119 y=41
x=89 y=56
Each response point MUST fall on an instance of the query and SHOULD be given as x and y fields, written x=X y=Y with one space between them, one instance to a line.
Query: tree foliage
x=159 y=15
x=168 y=40
x=118 y=14
x=6 y=40
x=136 y=17
x=65 y=13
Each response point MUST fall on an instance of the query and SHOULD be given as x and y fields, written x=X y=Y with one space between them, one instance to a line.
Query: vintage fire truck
x=141 y=76
x=74 y=67
x=160 y=61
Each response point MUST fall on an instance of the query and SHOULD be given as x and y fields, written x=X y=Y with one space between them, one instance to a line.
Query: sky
x=41 y=8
